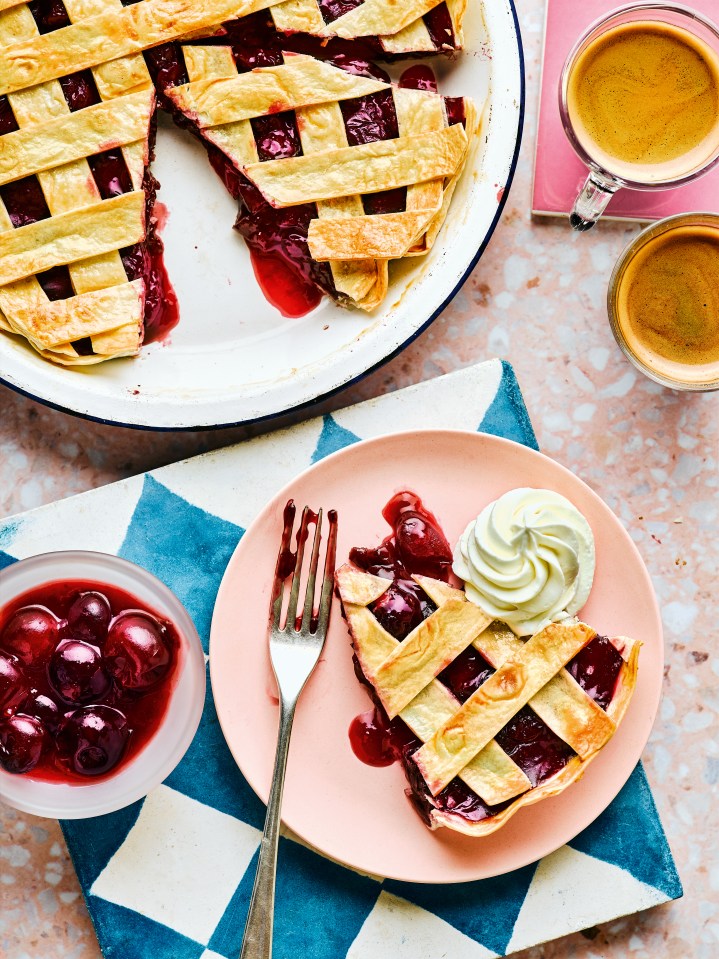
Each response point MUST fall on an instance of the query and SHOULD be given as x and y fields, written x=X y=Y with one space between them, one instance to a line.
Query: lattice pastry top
x=562 y=693
x=348 y=138
x=81 y=272
x=101 y=31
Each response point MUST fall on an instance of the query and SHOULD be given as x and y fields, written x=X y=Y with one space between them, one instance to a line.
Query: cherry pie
x=482 y=721
x=338 y=170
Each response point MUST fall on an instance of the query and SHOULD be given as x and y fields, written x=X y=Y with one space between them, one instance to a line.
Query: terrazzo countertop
x=537 y=297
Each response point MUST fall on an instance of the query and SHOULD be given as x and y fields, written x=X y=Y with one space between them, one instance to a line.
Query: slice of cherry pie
x=482 y=721
x=303 y=141
x=337 y=170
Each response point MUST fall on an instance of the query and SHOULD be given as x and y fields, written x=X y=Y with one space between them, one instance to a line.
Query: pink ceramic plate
x=357 y=814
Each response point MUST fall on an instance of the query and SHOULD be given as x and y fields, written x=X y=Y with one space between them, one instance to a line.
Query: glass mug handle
x=592 y=201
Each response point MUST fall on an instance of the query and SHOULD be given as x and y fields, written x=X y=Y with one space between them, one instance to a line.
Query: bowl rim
x=157 y=758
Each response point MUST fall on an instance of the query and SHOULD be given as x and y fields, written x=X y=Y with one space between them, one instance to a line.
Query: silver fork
x=294 y=651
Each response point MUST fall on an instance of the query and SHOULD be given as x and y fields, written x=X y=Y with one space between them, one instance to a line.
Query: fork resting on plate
x=295 y=649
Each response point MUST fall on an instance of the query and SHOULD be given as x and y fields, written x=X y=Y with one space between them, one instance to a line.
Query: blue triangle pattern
x=332 y=438
x=613 y=837
x=486 y=911
x=6 y=559
x=93 y=842
x=507 y=415
x=126 y=934
x=209 y=760
x=184 y=546
x=320 y=907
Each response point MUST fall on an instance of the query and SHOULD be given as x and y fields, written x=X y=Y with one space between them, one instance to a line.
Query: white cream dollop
x=528 y=559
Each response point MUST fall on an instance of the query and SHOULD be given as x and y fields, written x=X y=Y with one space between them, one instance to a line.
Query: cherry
x=42 y=708
x=399 y=609
x=421 y=546
x=22 y=740
x=93 y=739
x=77 y=673
x=136 y=652
x=31 y=634
x=89 y=617
x=14 y=686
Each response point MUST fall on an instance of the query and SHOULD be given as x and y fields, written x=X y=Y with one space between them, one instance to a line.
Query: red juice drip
x=282 y=287
x=378 y=741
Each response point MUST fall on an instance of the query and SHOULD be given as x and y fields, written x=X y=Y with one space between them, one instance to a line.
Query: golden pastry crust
x=427 y=157
x=458 y=738
x=115 y=32
x=366 y=168
x=491 y=774
x=300 y=82
x=75 y=136
x=84 y=232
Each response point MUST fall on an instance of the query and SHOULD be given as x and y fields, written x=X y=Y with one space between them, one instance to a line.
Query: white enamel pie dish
x=233 y=358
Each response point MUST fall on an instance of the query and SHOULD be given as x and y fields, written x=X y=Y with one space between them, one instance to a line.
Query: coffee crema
x=667 y=304
x=643 y=99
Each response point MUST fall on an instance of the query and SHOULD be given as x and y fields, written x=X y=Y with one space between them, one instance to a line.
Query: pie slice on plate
x=484 y=721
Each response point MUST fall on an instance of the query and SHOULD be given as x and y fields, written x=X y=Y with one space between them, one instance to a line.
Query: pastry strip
x=429 y=649
x=378 y=17
x=497 y=701
x=367 y=168
x=365 y=280
x=86 y=232
x=389 y=235
x=64 y=321
x=75 y=136
x=299 y=82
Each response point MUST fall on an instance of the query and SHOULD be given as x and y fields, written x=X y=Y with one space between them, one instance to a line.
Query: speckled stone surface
x=537 y=298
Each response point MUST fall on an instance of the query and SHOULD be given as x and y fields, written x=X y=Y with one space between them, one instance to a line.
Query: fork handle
x=257 y=940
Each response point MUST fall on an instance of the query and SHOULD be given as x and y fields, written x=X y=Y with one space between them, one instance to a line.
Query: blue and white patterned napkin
x=170 y=876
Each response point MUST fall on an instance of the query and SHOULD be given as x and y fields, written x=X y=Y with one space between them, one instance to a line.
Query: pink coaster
x=558 y=171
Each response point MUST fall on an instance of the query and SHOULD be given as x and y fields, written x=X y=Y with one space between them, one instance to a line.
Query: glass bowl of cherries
x=102 y=683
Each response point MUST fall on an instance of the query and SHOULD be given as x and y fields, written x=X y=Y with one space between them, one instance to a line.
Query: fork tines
x=290 y=562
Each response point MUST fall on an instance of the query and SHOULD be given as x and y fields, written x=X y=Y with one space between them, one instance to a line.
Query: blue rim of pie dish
x=380 y=363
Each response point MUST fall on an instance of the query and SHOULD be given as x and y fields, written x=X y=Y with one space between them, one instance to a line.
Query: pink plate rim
x=245 y=696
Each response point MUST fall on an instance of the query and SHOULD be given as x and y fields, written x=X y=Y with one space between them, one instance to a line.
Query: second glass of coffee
x=639 y=100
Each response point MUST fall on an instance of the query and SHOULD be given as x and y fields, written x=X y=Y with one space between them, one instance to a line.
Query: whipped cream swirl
x=527 y=560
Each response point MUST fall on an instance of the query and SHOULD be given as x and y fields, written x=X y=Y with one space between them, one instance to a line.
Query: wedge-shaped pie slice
x=496 y=723
x=338 y=171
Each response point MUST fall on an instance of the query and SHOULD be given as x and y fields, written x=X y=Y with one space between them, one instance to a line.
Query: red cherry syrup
x=86 y=675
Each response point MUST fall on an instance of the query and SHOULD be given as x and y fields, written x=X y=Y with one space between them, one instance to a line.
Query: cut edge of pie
x=328 y=174
x=458 y=737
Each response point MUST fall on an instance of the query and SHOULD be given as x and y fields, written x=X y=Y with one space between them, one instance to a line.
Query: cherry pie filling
x=277 y=238
x=417 y=545
x=86 y=675
x=25 y=201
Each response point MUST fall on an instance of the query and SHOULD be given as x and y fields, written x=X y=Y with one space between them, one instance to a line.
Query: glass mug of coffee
x=639 y=101
x=663 y=301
